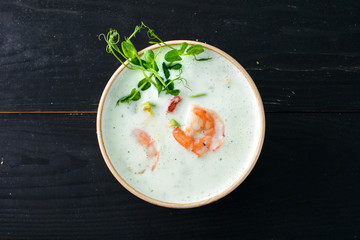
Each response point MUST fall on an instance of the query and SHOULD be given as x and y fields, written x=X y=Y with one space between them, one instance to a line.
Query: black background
x=304 y=56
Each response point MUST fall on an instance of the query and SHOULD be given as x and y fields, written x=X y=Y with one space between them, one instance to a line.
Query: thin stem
x=148 y=78
x=151 y=33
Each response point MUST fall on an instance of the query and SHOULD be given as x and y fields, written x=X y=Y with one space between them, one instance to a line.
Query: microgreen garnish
x=173 y=123
x=148 y=107
x=146 y=86
x=198 y=95
x=182 y=48
x=148 y=65
x=166 y=70
x=172 y=56
x=176 y=66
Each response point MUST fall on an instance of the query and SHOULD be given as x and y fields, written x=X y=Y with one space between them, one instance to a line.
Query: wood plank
x=302 y=56
x=55 y=185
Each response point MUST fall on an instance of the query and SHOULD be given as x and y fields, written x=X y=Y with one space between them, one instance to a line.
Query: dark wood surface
x=304 y=57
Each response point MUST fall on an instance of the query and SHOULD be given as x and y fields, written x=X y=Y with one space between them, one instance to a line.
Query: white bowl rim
x=191 y=204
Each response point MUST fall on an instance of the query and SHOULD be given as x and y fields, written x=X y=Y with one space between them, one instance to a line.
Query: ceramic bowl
x=111 y=165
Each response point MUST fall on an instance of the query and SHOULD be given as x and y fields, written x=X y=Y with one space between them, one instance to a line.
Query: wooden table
x=304 y=57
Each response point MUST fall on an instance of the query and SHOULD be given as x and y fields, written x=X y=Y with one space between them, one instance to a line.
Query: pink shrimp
x=146 y=141
x=204 y=133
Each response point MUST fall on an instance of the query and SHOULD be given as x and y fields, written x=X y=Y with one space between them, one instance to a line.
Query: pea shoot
x=198 y=95
x=125 y=51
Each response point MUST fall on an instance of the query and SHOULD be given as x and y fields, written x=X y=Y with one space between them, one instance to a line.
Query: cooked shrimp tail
x=204 y=133
x=146 y=141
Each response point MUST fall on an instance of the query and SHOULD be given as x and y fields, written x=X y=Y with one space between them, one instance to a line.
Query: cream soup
x=180 y=176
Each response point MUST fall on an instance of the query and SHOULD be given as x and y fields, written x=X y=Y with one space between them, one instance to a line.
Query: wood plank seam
x=95 y=112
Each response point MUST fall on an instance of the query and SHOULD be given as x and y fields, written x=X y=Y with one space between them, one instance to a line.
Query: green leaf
x=170 y=84
x=195 y=49
x=172 y=56
x=182 y=48
x=147 y=65
x=174 y=92
x=123 y=99
x=149 y=56
x=135 y=95
x=128 y=49
x=142 y=82
x=175 y=67
x=155 y=66
x=118 y=102
x=203 y=59
x=158 y=85
x=166 y=70
x=137 y=62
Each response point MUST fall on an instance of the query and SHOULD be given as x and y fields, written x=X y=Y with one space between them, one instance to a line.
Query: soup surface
x=176 y=174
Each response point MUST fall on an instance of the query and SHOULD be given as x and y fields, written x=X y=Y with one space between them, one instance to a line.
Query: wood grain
x=55 y=185
x=302 y=55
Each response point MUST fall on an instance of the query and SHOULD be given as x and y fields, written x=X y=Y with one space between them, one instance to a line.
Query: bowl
x=200 y=180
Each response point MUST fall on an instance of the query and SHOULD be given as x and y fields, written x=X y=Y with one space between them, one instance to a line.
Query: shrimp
x=146 y=141
x=204 y=132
